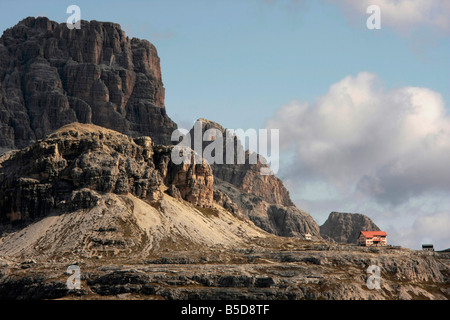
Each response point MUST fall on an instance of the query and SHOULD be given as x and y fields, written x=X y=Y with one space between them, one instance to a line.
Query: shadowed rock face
x=189 y=181
x=246 y=176
x=345 y=227
x=262 y=198
x=73 y=167
x=51 y=76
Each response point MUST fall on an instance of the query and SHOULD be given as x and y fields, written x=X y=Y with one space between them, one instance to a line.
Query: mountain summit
x=51 y=76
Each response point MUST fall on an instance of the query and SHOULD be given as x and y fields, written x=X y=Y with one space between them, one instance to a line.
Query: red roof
x=371 y=234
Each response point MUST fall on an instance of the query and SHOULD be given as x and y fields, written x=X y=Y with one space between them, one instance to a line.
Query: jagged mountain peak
x=209 y=124
x=262 y=198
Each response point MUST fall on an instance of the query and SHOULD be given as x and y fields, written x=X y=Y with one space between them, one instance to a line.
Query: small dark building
x=427 y=247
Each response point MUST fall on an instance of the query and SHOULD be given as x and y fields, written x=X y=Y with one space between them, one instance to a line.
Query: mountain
x=73 y=166
x=262 y=198
x=345 y=227
x=89 y=191
x=51 y=76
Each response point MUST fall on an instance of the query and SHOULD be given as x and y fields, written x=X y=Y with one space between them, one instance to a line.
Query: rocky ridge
x=261 y=198
x=75 y=165
x=86 y=191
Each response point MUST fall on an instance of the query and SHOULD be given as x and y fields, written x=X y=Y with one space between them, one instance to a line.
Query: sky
x=364 y=115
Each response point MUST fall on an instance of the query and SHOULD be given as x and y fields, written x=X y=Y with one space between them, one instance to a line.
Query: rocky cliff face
x=188 y=181
x=262 y=198
x=345 y=227
x=71 y=168
x=247 y=176
x=51 y=76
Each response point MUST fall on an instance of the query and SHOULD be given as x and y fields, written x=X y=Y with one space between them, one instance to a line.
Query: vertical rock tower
x=51 y=76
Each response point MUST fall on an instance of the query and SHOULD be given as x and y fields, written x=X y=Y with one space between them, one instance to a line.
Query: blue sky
x=240 y=62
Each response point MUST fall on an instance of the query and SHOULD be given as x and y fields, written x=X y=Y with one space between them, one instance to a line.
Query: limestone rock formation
x=262 y=198
x=345 y=227
x=51 y=76
x=246 y=176
x=191 y=181
x=74 y=166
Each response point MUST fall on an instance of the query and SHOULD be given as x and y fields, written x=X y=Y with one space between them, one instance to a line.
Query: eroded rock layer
x=262 y=198
x=74 y=166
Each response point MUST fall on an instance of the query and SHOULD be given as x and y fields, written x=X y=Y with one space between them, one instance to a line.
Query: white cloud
x=404 y=15
x=389 y=145
x=428 y=228
x=434 y=225
x=363 y=148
